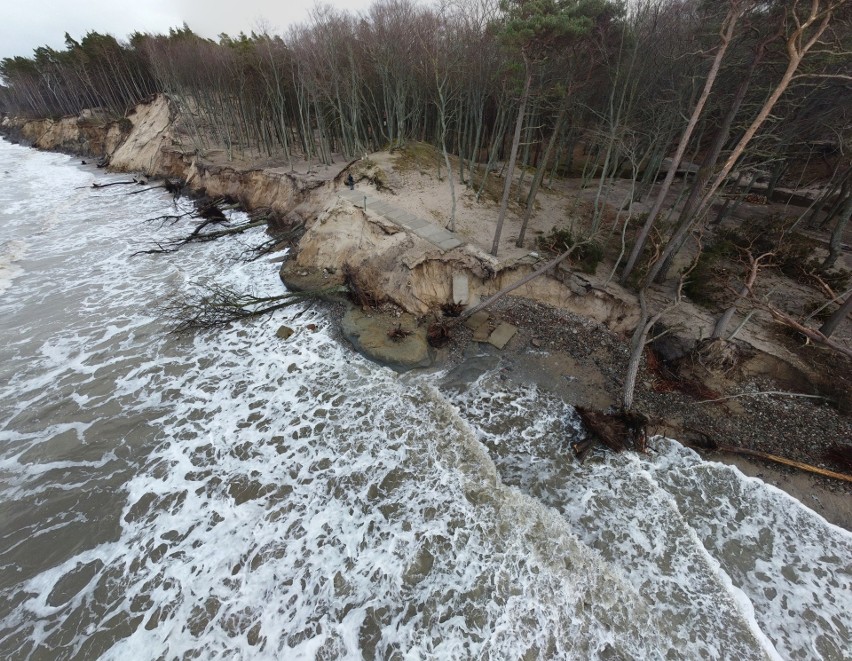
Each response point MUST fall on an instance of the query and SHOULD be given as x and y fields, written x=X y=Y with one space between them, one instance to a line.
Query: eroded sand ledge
x=412 y=273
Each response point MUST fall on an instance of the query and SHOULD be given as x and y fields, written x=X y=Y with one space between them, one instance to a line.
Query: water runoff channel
x=229 y=495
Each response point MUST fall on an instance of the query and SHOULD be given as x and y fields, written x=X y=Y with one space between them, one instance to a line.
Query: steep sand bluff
x=417 y=276
x=408 y=271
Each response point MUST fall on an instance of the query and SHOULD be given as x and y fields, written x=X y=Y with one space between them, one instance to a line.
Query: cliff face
x=402 y=267
x=86 y=135
x=148 y=144
x=417 y=276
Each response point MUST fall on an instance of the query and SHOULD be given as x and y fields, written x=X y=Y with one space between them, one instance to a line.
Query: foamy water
x=232 y=495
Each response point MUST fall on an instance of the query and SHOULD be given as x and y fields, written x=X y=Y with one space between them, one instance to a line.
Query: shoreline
x=578 y=362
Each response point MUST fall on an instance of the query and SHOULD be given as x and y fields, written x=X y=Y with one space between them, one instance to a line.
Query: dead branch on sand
x=710 y=444
x=779 y=393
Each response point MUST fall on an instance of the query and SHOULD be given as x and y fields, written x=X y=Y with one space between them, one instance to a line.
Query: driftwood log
x=709 y=444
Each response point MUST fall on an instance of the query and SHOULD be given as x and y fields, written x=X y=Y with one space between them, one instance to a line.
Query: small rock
x=482 y=332
x=284 y=332
x=536 y=342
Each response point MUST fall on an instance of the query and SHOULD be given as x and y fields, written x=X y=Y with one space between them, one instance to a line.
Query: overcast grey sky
x=26 y=24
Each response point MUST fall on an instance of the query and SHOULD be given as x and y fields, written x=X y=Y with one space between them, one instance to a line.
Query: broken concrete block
x=502 y=334
x=461 y=293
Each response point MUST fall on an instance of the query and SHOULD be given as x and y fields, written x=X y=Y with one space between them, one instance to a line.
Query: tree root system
x=619 y=431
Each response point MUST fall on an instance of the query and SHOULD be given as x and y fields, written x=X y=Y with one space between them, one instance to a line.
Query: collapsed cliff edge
x=405 y=269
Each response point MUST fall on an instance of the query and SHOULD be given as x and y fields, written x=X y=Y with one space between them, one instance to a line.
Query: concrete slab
x=476 y=320
x=449 y=244
x=406 y=218
x=461 y=292
x=502 y=334
x=397 y=216
x=416 y=222
x=430 y=232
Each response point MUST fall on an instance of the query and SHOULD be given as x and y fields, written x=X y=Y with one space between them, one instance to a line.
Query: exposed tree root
x=618 y=431
x=398 y=333
x=362 y=287
x=438 y=335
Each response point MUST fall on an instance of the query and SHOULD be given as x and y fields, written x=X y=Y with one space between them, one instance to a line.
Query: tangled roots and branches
x=438 y=335
x=618 y=431
x=216 y=305
x=717 y=354
x=398 y=333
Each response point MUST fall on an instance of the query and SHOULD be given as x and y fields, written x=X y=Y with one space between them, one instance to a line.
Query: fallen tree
x=213 y=306
x=197 y=236
x=619 y=431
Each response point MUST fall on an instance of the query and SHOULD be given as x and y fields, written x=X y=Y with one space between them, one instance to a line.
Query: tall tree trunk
x=539 y=174
x=507 y=186
x=834 y=320
x=836 y=242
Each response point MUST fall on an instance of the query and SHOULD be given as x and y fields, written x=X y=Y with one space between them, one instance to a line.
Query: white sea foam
x=233 y=495
x=794 y=566
x=11 y=254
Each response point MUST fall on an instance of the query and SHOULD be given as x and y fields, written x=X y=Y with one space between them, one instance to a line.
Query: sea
x=228 y=494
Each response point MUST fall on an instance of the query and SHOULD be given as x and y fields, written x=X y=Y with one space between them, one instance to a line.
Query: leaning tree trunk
x=637 y=346
x=834 y=320
x=719 y=140
x=727 y=33
x=725 y=319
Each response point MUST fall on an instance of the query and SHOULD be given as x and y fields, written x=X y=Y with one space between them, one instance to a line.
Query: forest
x=737 y=97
